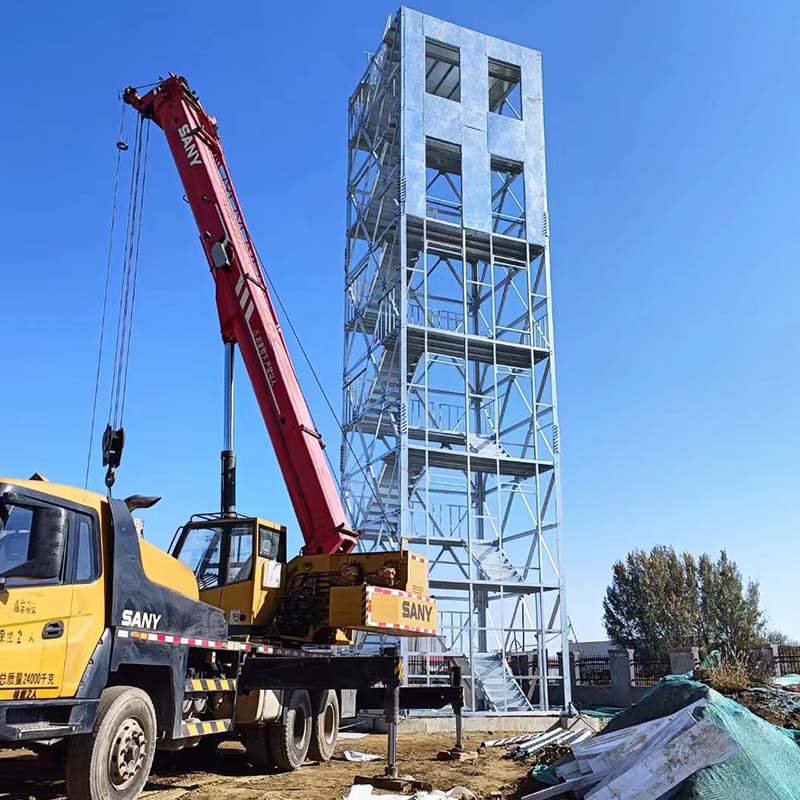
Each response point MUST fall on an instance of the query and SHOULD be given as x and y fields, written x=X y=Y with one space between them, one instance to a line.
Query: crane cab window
x=240 y=557
x=272 y=543
x=200 y=549
x=218 y=554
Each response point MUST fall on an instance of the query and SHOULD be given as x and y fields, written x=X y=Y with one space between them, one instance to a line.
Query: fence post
x=573 y=670
x=683 y=659
x=765 y=657
x=621 y=665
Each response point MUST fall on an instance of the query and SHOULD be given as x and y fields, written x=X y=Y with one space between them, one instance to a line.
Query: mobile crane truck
x=111 y=648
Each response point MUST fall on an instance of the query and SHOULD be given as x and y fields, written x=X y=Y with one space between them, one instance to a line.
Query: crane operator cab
x=238 y=563
x=240 y=566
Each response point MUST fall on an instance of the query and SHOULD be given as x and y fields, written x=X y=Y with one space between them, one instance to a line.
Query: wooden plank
x=701 y=746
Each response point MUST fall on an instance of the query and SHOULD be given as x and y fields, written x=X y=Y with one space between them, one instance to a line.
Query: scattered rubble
x=530 y=744
x=364 y=792
x=537 y=748
x=774 y=704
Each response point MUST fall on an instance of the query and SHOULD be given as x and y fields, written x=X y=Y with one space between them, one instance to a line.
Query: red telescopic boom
x=246 y=314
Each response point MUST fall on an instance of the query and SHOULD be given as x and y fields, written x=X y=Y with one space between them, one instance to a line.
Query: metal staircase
x=493 y=564
x=500 y=689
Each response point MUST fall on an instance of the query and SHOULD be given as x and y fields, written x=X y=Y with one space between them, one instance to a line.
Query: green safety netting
x=767 y=766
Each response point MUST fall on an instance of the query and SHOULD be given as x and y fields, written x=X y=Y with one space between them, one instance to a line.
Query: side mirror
x=46 y=545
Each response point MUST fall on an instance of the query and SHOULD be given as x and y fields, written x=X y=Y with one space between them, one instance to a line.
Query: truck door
x=34 y=611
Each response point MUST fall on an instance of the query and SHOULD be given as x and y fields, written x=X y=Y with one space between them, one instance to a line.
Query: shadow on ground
x=25 y=776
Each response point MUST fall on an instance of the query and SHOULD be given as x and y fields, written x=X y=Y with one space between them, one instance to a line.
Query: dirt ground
x=180 y=775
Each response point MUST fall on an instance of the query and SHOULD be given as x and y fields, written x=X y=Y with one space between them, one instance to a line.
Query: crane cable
x=114 y=435
x=121 y=148
x=134 y=253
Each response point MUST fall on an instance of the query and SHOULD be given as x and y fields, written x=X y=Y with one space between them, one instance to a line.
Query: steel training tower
x=450 y=417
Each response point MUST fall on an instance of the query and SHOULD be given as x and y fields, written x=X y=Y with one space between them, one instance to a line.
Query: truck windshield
x=15 y=532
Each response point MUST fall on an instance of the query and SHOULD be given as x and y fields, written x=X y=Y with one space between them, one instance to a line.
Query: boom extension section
x=246 y=313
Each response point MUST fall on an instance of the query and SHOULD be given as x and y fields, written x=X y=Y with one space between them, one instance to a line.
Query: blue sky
x=672 y=141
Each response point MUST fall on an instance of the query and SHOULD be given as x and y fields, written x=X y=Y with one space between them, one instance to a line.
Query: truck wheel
x=288 y=741
x=256 y=742
x=325 y=728
x=114 y=760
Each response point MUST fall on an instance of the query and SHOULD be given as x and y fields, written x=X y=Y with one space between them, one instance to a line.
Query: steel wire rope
x=135 y=269
x=127 y=292
x=109 y=260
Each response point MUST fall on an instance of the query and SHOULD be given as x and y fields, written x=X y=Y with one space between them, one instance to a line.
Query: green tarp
x=766 y=768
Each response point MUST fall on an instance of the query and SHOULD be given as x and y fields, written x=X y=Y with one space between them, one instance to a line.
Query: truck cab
x=52 y=592
x=55 y=587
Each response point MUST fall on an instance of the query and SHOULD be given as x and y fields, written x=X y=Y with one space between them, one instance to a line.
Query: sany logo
x=189 y=145
x=140 y=619
x=419 y=611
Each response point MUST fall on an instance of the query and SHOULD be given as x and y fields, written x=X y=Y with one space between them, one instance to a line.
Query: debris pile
x=539 y=745
x=685 y=739
x=789 y=682
x=772 y=703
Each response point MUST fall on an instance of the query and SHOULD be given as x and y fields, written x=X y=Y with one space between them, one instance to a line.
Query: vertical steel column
x=228 y=456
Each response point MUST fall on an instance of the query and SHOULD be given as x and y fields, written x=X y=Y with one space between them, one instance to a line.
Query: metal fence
x=788 y=660
x=427 y=670
x=593 y=670
x=648 y=670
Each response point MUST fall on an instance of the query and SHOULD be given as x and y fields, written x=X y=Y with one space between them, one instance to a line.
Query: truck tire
x=325 y=728
x=256 y=742
x=113 y=761
x=289 y=740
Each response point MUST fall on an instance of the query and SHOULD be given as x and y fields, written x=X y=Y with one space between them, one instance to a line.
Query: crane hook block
x=113 y=443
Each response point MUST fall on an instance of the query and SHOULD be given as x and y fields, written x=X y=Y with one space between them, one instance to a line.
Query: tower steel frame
x=450 y=435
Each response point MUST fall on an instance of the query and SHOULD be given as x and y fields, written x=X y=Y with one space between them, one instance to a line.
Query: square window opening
x=508 y=198
x=442 y=70
x=443 y=181
x=505 y=89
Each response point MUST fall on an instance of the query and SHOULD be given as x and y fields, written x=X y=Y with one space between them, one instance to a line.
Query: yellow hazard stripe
x=211 y=685
x=204 y=728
